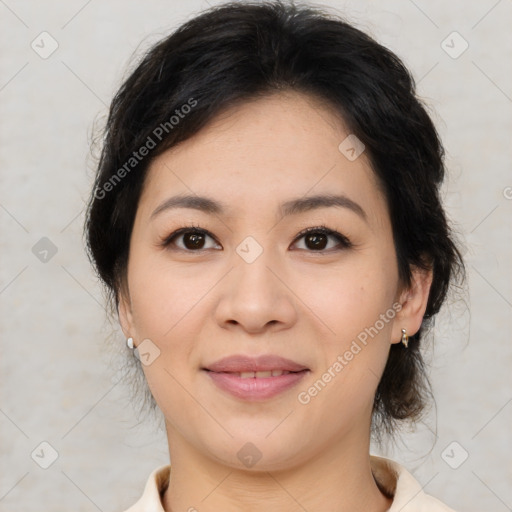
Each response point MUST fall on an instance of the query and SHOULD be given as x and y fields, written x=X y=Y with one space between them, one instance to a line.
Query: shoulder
x=151 y=499
x=407 y=493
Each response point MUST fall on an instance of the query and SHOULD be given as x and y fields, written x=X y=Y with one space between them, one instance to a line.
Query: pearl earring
x=405 y=338
x=129 y=342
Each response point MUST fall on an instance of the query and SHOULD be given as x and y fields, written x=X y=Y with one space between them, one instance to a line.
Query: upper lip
x=242 y=363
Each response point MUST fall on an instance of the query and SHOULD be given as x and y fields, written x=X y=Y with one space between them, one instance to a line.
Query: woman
x=266 y=219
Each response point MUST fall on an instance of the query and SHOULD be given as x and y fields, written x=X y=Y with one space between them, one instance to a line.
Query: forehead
x=264 y=152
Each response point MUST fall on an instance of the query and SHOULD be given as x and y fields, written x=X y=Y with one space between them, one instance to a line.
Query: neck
x=337 y=479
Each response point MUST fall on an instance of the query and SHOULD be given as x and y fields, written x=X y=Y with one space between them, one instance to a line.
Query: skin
x=198 y=307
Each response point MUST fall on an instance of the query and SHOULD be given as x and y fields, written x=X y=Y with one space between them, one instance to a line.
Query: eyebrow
x=292 y=207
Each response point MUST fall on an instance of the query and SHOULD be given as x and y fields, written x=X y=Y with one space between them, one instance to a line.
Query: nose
x=256 y=297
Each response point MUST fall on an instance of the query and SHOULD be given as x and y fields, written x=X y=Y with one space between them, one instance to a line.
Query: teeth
x=261 y=375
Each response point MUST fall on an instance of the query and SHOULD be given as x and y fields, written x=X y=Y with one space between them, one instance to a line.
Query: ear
x=125 y=315
x=414 y=303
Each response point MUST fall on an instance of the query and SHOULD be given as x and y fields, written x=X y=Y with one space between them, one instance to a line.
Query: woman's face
x=254 y=286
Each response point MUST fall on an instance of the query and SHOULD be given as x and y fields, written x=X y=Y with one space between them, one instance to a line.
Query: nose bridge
x=253 y=296
x=255 y=258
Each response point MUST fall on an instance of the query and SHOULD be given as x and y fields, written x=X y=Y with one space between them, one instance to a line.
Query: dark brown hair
x=240 y=51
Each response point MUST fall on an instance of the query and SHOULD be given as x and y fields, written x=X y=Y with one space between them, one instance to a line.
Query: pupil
x=319 y=241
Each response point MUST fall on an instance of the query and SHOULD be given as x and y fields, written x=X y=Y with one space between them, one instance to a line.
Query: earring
x=405 y=338
x=129 y=342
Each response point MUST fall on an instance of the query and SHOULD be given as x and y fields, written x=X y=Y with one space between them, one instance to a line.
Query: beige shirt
x=392 y=478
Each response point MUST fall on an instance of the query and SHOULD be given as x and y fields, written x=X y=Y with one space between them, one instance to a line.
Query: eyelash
x=343 y=241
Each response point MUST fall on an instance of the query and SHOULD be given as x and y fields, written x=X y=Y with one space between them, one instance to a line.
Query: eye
x=192 y=239
x=317 y=239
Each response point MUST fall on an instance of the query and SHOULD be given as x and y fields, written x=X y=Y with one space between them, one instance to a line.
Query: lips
x=259 y=367
x=255 y=379
x=254 y=389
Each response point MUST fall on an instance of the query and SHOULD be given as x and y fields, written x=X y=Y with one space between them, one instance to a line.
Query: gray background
x=59 y=383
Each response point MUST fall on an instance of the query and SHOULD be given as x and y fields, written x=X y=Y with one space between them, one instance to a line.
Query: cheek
x=169 y=307
x=165 y=305
x=351 y=298
x=355 y=312
x=355 y=303
x=164 y=297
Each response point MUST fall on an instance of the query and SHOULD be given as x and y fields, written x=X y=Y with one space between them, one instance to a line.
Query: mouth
x=242 y=364
x=251 y=378
x=258 y=375
x=255 y=386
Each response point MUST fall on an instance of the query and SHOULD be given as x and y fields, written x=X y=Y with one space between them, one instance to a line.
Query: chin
x=258 y=451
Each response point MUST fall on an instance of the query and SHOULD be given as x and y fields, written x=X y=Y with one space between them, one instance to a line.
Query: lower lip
x=255 y=388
